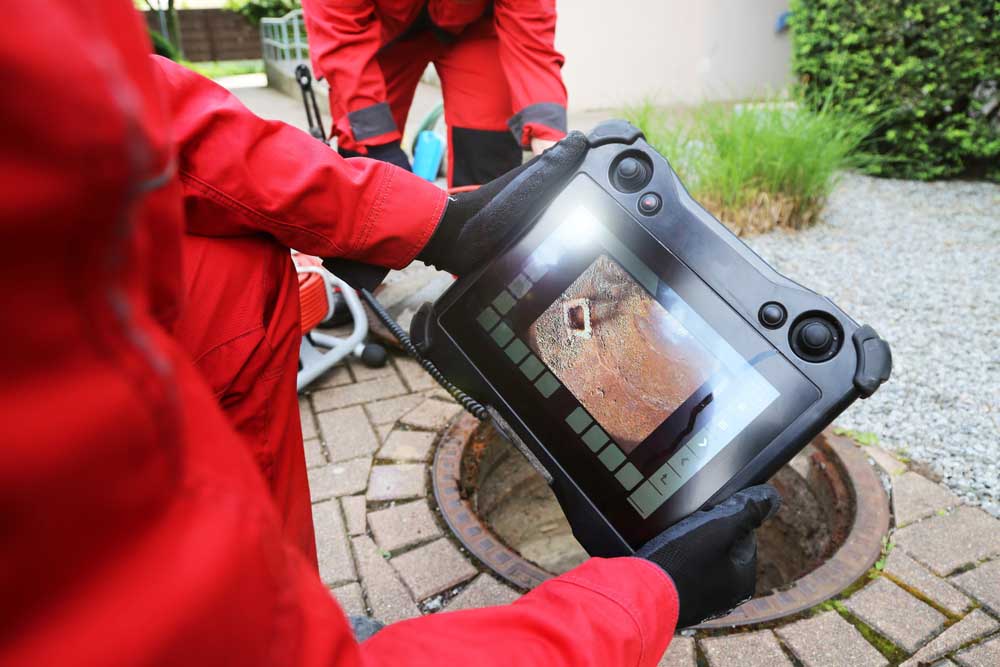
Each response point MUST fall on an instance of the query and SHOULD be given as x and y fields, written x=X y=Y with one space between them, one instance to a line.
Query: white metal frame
x=314 y=361
x=283 y=40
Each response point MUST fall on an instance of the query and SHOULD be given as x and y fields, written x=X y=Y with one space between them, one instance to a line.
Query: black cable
x=474 y=407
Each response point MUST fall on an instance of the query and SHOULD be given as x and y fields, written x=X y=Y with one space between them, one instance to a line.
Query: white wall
x=672 y=51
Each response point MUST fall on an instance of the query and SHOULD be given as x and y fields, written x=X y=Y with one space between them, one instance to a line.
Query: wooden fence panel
x=214 y=34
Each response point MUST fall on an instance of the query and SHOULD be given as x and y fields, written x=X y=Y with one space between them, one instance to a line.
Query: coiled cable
x=474 y=407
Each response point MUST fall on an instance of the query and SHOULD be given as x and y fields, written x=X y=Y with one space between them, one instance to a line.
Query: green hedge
x=925 y=72
x=255 y=10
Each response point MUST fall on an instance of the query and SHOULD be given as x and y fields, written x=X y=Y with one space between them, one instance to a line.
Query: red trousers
x=240 y=325
x=477 y=101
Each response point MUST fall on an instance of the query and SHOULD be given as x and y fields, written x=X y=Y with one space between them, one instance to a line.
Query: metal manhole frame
x=859 y=551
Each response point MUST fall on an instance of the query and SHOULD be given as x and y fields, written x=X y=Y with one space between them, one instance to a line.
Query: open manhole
x=827 y=534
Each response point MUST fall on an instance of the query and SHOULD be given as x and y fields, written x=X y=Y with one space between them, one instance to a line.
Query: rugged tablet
x=647 y=359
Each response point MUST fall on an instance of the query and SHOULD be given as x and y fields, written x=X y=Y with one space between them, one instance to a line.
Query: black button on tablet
x=649 y=203
x=772 y=315
x=631 y=173
x=816 y=337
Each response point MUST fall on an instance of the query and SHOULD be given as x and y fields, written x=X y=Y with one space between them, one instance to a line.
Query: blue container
x=427 y=155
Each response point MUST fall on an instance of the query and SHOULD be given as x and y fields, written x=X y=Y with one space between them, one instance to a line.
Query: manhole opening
x=817 y=545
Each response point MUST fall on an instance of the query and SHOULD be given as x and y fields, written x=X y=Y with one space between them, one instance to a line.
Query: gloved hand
x=712 y=554
x=391 y=152
x=475 y=224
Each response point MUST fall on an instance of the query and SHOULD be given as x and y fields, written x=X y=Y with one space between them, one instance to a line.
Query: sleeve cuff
x=401 y=218
x=550 y=115
x=372 y=121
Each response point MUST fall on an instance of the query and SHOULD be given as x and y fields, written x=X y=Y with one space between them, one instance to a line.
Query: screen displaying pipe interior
x=628 y=361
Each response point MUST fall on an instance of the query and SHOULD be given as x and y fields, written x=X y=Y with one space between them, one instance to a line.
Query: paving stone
x=355 y=512
x=414 y=375
x=751 y=649
x=680 y=653
x=947 y=543
x=350 y=598
x=389 y=410
x=982 y=583
x=307 y=419
x=335 y=563
x=433 y=568
x=985 y=654
x=828 y=640
x=387 y=595
x=359 y=392
x=977 y=624
x=408 y=446
x=916 y=497
x=403 y=525
x=335 y=377
x=432 y=415
x=314 y=453
x=440 y=394
x=912 y=574
x=895 y=614
x=484 y=591
x=886 y=461
x=339 y=479
x=362 y=373
x=347 y=433
x=397 y=482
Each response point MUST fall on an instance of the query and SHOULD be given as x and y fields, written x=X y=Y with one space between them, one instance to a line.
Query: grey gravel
x=920 y=262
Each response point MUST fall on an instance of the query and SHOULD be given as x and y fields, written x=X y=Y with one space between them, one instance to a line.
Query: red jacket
x=345 y=37
x=135 y=528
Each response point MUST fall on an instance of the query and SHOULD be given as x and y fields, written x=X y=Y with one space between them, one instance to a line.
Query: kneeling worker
x=155 y=509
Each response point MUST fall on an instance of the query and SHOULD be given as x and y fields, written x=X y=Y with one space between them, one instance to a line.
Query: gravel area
x=920 y=262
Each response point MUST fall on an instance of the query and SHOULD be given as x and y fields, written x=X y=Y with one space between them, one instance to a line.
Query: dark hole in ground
x=575 y=316
x=514 y=501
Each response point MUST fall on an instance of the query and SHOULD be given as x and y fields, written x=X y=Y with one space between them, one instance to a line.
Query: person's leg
x=240 y=325
x=476 y=108
x=402 y=65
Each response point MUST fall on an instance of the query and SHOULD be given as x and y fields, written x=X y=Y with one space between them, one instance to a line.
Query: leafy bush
x=255 y=10
x=162 y=46
x=757 y=166
x=925 y=72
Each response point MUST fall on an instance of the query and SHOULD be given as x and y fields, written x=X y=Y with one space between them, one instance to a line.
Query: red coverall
x=497 y=63
x=136 y=527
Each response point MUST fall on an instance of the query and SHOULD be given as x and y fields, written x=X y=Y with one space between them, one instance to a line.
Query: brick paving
x=896 y=615
x=911 y=574
x=397 y=481
x=680 y=653
x=915 y=497
x=975 y=625
x=828 y=640
x=985 y=654
x=751 y=648
x=483 y=591
x=370 y=436
x=946 y=543
x=982 y=583
x=403 y=525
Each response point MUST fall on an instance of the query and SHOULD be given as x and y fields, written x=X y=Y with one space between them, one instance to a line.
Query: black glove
x=712 y=554
x=391 y=152
x=475 y=224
